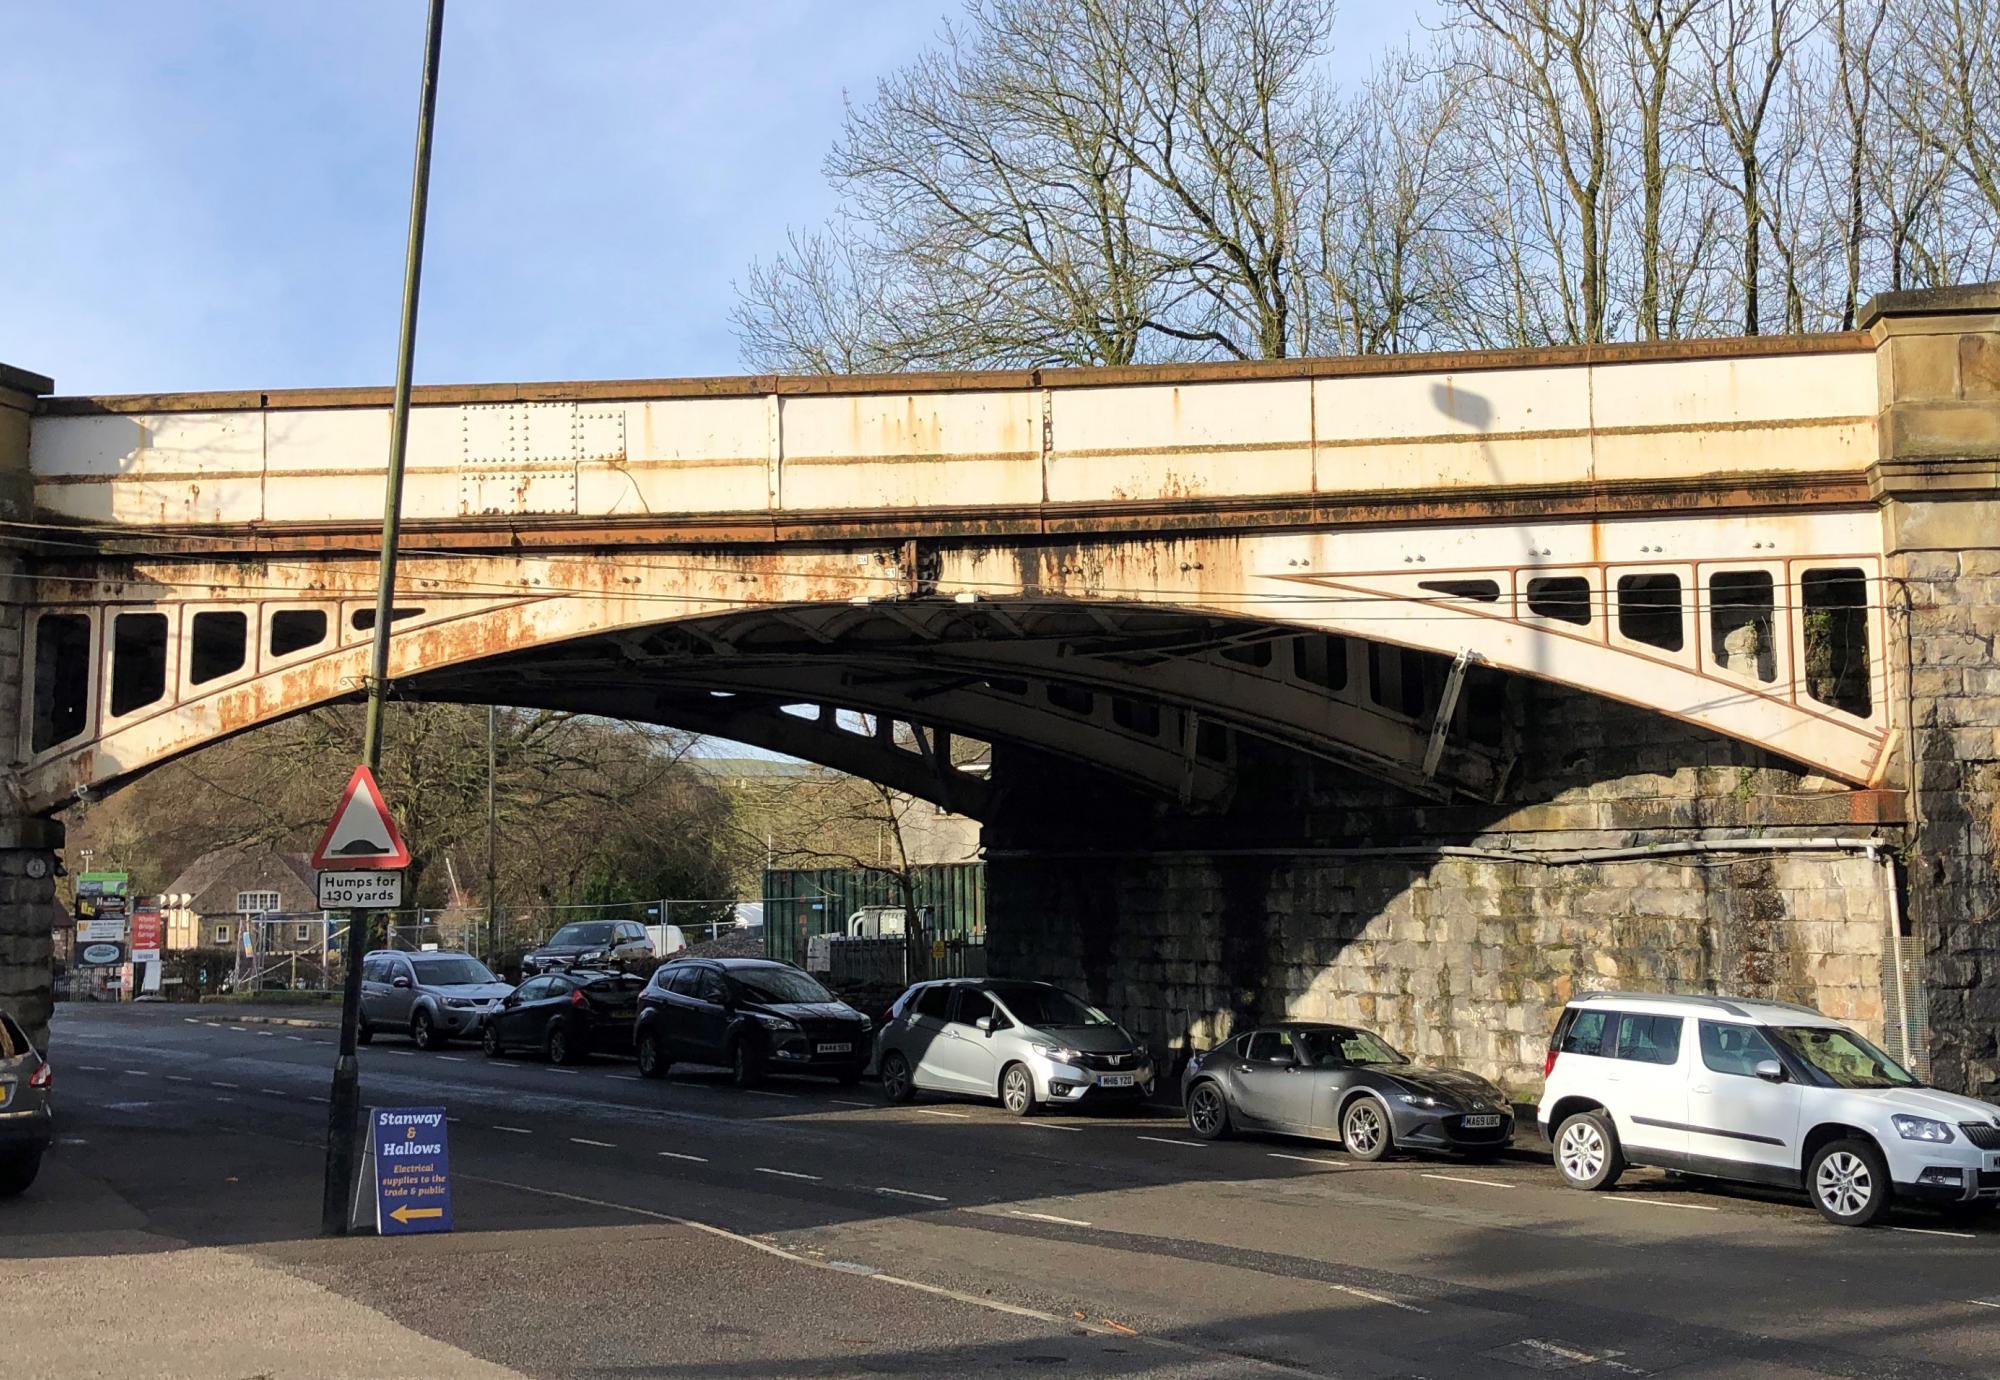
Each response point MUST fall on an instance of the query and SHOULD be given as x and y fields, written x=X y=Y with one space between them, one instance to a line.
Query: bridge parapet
x=1704 y=421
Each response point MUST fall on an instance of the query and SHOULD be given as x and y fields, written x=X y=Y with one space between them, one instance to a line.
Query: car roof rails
x=1734 y=1006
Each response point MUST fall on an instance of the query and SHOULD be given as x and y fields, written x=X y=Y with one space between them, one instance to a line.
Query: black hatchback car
x=751 y=1016
x=566 y=1015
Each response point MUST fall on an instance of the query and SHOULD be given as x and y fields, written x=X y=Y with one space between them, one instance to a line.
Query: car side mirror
x=985 y=1024
x=400 y=982
x=1770 y=1070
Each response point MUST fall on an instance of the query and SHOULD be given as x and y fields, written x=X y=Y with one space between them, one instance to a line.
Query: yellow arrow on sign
x=406 y=1215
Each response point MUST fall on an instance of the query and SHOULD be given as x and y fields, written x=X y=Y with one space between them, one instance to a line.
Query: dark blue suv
x=751 y=1016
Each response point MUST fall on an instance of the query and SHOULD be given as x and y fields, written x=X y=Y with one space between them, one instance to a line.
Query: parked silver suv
x=25 y=1117
x=434 y=996
x=1029 y=1044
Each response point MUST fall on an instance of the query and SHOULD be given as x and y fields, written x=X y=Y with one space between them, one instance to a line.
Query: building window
x=256 y=902
x=302 y=933
x=222 y=934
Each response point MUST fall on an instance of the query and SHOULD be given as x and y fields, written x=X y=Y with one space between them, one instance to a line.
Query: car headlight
x=1922 y=1128
x=770 y=1022
x=1062 y=1054
x=460 y=1002
x=1424 y=1100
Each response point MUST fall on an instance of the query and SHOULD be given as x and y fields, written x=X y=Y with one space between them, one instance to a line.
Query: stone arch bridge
x=1392 y=685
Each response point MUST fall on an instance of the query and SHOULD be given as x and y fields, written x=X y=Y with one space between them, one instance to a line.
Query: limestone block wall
x=1329 y=899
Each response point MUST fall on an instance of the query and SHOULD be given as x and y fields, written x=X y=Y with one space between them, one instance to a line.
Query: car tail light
x=1549 y=1064
x=43 y=1077
x=577 y=998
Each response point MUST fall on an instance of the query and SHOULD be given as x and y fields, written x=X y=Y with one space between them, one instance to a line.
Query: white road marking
x=1374 y=1297
x=623 y=1077
x=177 y=1078
x=1036 y=1125
x=215 y=1084
x=401 y=1053
x=843 y=1102
x=274 y=1092
x=906 y=1193
x=452 y=1058
x=1046 y=1217
x=1571 y=1354
x=676 y=1155
x=787 y=1173
x=300 y=1038
x=939 y=1111
x=515 y=1130
x=139 y=1073
x=600 y=1144
x=240 y=1029
x=1933 y=1231
x=1982 y=1303
x=936 y=1290
x=1655 y=1202
x=557 y=1068
x=759 y=1092
x=91 y=1068
x=1162 y=1140
x=267 y=1034
x=1307 y=1159
x=1461 y=1179
x=191 y=1020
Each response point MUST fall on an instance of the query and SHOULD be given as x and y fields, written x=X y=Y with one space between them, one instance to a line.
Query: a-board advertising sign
x=147 y=932
x=412 y=1169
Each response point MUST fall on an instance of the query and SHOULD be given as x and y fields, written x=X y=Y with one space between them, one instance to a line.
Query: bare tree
x=1649 y=31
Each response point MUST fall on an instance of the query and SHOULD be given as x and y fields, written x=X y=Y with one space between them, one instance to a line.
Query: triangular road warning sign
x=362 y=834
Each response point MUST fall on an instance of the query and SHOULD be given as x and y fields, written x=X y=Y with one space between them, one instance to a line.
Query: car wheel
x=1017 y=1090
x=560 y=1049
x=424 y=1032
x=898 y=1085
x=363 y=1035
x=1587 y=1153
x=653 y=1061
x=490 y=1042
x=746 y=1065
x=1364 y=1130
x=1849 y=1183
x=17 y=1172
x=1208 y=1112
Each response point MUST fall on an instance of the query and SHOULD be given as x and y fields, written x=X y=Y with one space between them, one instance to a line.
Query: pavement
x=612 y=1226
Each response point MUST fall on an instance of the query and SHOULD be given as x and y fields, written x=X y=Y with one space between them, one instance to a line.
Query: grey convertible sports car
x=1341 y=1083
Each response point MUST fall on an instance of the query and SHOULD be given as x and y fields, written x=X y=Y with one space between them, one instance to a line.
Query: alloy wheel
x=895 y=1078
x=1364 y=1129
x=1017 y=1093
x=1581 y=1151
x=1205 y=1112
x=1844 y=1183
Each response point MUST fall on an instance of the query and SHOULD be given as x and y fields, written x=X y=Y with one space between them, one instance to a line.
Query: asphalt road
x=611 y=1226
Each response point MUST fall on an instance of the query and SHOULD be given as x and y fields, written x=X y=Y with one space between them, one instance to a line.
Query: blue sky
x=212 y=193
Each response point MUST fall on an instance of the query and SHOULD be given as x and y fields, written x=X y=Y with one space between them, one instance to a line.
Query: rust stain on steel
x=963 y=381
x=1387 y=508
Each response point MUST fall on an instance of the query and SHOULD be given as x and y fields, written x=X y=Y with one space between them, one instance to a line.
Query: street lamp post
x=343 y=1126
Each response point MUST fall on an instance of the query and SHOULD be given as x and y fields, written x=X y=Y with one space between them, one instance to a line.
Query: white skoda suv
x=1761 y=1092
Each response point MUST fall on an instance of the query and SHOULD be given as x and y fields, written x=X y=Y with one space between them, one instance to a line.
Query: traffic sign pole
x=343 y=1124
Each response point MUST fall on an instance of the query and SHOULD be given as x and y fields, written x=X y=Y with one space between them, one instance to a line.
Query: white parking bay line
x=214 y=1084
x=906 y=1193
x=1374 y=1297
x=452 y=1058
x=1983 y=1303
x=761 y=1092
x=401 y=1053
x=1933 y=1231
x=1162 y=1140
x=939 y=1111
x=787 y=1173
x=554 y=1068
x=274 y=1092
x=1655 y=1202
x=178 y=1078
x=1461 y=1179
x=138 y=1073
x=843 y=1102
x=677 y=1155
x=241 y=1029
x=1047 y=1217
x=1044 y=1125
x=600 y=1144
x=300 y=1038
x=623 y=1077
x=515 y=1130
x=267 y=1034
x=91 y=1068
x=1307 y=1159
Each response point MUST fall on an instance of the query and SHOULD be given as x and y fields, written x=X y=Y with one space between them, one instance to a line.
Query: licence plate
x=1115 y=1080
x=1482 y=1122
x=837 y=1049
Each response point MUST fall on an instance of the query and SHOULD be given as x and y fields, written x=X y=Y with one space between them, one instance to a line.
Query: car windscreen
x=452 y=972
x=1842 y=1058
x=1046 y=1008
x=778 y=985
x=583 y=934
x=1335 y=1048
